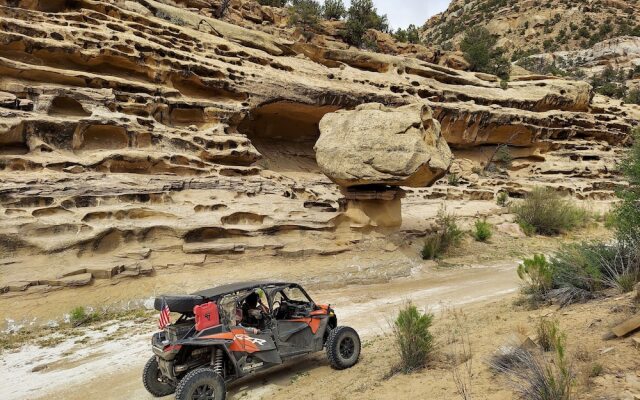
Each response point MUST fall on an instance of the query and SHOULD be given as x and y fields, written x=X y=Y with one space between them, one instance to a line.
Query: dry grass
x=461 y=360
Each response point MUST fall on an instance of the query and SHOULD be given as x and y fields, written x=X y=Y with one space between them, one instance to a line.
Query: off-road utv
x=231 y=331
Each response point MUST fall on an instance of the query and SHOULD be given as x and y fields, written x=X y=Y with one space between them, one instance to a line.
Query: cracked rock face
x=376 y=145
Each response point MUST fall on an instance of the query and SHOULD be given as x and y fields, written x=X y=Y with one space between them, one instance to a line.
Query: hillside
x=531 y=26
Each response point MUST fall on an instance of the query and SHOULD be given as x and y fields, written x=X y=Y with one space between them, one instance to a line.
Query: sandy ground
x=484 y=298
x=366 y=286
x=491 y=324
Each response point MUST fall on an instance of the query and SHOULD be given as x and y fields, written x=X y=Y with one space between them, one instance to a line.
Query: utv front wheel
x=201 y=384
x=151 y=379
x=343 y=347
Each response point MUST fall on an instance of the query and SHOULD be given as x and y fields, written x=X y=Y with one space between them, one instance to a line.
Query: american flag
x=165 y=315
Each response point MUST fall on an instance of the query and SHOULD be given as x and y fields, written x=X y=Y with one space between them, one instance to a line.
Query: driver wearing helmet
x=253 y=311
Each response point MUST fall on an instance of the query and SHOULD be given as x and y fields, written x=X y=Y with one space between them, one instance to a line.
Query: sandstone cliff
x=144 y=135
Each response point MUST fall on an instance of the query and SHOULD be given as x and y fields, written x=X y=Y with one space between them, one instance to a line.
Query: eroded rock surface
x=141 y=136
x=376 y=145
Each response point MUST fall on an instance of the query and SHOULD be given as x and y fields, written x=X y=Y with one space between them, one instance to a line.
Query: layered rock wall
x=141 y=135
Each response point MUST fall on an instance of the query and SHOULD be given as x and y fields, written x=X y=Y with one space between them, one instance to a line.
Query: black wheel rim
x=159 y=378
x=203 y=392
x=347 y=347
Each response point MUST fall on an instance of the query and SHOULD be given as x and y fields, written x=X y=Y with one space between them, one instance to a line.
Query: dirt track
x=110 y=369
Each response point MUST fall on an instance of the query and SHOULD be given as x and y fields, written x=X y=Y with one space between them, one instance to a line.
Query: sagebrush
x=581 y=271
x=548 y=212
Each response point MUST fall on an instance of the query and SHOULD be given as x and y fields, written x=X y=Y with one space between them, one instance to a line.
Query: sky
x=401 y=13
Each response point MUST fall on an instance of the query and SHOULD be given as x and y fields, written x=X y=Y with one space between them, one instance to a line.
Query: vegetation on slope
x=581 y=271
x=543 y=26
x=480 y=50
x=361 y=16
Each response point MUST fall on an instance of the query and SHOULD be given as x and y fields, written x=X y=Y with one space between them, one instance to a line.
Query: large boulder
x=376 y=145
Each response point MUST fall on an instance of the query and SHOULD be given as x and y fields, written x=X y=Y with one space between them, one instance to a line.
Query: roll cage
x=270 y=290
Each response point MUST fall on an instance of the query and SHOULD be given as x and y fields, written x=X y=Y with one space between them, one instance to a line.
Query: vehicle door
x=293 y=330
x=248 y=344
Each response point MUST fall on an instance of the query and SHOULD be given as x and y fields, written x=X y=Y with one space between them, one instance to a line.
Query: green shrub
x=80 y=316
x=619 y=264
x=431 y=248
x=527 y=228
x=548 y=334
x=305 y=13
x=543 y=67
x=610 y=82
x=503 y=156
x=576 y=266
x=479 y=48
x=413 y=338
x=453 y=179
x=633 y=97
x=548 y=212
x=448 y=234
x=411 y=35
x=627 y=213
x=502 y=199
x=592 y=266
x=482 y=231
x=77 y=316
x=609 y=219
x=537 y=274
x=626 y=282
x=363 y=15
x=273 y=3
x=596 y=370
x=582 y=270
x=334 y=9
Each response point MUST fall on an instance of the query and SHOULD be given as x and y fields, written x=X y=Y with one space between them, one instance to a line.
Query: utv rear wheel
x=151 y=379
x=343 y=347
x=201 y=384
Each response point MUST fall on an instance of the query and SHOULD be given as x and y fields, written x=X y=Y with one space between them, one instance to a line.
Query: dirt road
x=107 y=362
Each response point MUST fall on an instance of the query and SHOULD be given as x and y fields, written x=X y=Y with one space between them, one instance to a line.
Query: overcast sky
x=401 y=13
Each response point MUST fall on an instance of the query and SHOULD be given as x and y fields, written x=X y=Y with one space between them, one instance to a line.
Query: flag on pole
x=165 y=315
